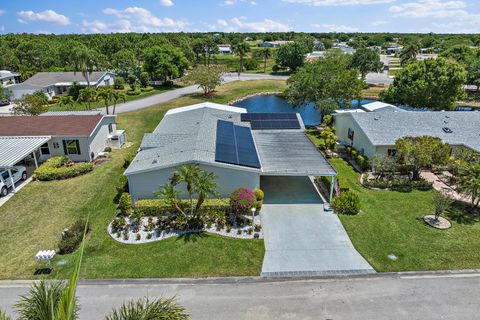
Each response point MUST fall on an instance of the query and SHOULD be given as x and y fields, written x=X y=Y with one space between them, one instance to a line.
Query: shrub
x=138 y=237
x=57 y=168
x=250 y=64
x=259 y=195
x=149 y=236
x=258 y=228
x=144 y=78
x=119 y=83
x=147 y=89
x=353 y=153
x=118 y=224
x=347 y=203
x=135 y=92
x=250 y=231
x=239 y=231
x=242 y=200
x=125 y=203
x=160 y=207
x=362 y=162
x=72 y=237
x=327 y=120
x=275 y=68
x=107 y=149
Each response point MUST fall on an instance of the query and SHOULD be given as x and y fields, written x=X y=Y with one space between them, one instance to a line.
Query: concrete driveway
x=302 y=239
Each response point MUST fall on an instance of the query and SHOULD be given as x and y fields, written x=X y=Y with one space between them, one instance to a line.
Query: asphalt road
x=177 y=93
x=388 y=296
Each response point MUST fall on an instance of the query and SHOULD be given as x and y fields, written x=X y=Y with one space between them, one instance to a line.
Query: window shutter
x=78 y=147
x=65 y=147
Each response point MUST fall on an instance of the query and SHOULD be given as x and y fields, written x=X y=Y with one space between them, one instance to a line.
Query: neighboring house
x=312 y=56
x=394 y=49
x=81 y=136
x=53 y=83
x=375 y=133
x=274 y=44
x=424 y=56
x=238 y=147
x=344 y=48
x=8 y=77
x=225 y=49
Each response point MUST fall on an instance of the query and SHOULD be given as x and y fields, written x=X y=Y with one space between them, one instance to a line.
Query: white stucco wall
x=144 y=185
x=360 y=141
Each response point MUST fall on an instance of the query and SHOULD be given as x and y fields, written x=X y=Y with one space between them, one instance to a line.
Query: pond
x=310 y=115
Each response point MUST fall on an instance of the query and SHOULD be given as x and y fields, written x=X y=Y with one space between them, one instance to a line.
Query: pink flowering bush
x=242 y=200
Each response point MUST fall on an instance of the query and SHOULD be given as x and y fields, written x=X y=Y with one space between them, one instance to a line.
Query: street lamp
x=253 y=216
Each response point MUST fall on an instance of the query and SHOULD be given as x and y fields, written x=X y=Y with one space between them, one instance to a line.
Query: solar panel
x=235 y=145
x=271 y=121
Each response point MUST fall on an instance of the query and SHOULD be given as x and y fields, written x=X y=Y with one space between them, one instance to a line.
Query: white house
x=53 y=83
x=225 y=49
x=81 y=136
x=8 y=77
x=274 y=44
x=238 y=147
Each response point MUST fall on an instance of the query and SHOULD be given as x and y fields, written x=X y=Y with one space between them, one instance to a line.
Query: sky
x=106 y=16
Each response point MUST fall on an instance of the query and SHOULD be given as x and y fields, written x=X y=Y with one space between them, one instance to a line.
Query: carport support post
x=35 y=159
x=11 y=180
x=331 y=188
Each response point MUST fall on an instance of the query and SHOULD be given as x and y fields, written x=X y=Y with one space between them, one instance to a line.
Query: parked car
x=4 y=103
x=18 y=173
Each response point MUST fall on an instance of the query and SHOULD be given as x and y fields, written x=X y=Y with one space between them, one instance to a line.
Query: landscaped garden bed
x=58 y=168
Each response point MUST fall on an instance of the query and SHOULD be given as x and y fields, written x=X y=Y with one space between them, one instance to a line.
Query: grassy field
x=391 y=223
x=35 y=217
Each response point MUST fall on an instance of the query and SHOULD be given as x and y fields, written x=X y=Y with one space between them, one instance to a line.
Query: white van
x=18 y=173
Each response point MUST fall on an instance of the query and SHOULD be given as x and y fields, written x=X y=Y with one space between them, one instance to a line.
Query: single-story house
x=225 y=49
x=81 y=136
x=375 y=133
x=53 y=83
x=8 y=77
x=396 y=49
x=238 y=147
x=274 y=44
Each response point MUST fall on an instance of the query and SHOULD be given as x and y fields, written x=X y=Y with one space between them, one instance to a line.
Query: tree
x=441 y=203
x=117 y=96
x=432 y=83
x=204 y=186
x=366 y=60
x=66 y=100
x=329 y=138
x=168 y=193
x=88 y=95
x=132 y=79
x=328 y=83
x=291 y=55
x=3 y=95
x=144 y=79
x=469 y=182
x=422 y=152
x=31 y=104
x=145 y=309
x=408 y=54
x=85 y=62
x=188 y=174
x=124 y=60
x=383 y=166
x=473 y=72
x=165 y=62
x=241 y=49
x=206 y=77
x=265 y=54
x=460 y=53
x=105 y=94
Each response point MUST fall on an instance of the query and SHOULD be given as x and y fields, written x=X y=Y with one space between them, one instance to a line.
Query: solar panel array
x=235 y=145
x=271 y=121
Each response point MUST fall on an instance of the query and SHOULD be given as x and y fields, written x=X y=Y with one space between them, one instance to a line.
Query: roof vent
x=447 y=130
x=154 y=161
x=445 y=121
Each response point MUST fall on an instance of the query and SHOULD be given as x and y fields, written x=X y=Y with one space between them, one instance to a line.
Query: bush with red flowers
x=242 y=200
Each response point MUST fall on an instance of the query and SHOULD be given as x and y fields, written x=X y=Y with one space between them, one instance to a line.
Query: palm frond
x=143 y=309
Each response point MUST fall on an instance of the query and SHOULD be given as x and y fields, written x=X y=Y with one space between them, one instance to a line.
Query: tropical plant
x=144 y=309
x=441 y=202
x=168 y=193
x=66 y=100
x=347 y=203
x=31 y=104
x=265 y=54
x=85 y=62
x=88 y=95
x=241 y=49
x=4 y=316
x=204 y=186
x=408 y=54
x=105 y=94
x=469 y=182
x=117 y=96
x=188 y=174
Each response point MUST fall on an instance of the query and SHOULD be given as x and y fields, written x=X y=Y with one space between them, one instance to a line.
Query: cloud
x=233 y=2
x=337 y=2
x=430 y=8
x=469 y=25
x=241 y=24
x=46 y=16
x=334 y=27
x=133 y=19
x=166 y=3
x=2 y=28
x=2 y=12
x=378 y=23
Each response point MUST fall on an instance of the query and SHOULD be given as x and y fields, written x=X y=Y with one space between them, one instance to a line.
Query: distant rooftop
x=44 y=79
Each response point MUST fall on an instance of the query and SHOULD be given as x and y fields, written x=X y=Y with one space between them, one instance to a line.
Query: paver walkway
x=441 y=186
x=301 y=239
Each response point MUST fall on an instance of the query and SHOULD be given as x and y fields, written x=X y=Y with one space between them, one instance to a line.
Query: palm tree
x=88 y=95
x=117 y=96
x=106 y=96
x=66 y=100
x=170 y=194
x=4 y=316
x=265 y=53
x=469 y=182
x=84 y=59
x=408 y=54
x=241 y=49
x=205 y=186
x=144 y=309
x=189 y=175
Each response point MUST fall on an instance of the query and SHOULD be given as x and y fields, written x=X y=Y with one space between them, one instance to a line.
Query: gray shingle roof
x=44 y=79
x=386 y=128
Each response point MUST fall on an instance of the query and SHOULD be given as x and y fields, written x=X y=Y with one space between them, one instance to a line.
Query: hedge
x=57 y=168
x=159 y=207
x=399 y=184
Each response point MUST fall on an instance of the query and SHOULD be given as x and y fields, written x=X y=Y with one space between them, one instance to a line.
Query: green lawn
x=35 y=217
x=391 y=223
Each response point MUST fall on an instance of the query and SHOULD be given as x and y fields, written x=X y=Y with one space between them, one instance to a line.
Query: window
x=44 y=149
x=391 y=152
x=56 y=145
x=351 y=134
x=110 y=128
x=71 y=147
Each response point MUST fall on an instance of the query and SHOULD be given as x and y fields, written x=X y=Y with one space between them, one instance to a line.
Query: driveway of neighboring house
x=302 y=239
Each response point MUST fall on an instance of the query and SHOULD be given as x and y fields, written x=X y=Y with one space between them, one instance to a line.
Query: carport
x=291 y=154
x=15 y=149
